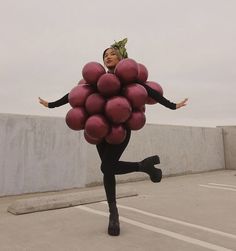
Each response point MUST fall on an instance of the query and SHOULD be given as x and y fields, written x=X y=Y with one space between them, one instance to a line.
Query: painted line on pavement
x=217 y=187
x=160 y=231
x=224 y=185
x=178 y=221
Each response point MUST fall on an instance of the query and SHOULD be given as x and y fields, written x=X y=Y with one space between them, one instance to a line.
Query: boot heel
x=154 y=159
x=156 y=176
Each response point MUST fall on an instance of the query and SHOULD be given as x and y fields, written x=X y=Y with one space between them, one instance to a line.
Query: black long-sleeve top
x=62 y=101
x=151 y=93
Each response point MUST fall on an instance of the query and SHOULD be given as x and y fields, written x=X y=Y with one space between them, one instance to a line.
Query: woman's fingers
x=182 y=103
x=43 y=102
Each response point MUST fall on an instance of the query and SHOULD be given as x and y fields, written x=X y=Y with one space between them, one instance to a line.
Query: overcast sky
x=188 y=46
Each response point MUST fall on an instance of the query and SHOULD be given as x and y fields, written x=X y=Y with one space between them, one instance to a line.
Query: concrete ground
x=187 y=213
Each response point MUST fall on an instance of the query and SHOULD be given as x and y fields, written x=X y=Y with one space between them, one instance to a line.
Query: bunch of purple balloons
x=104 y=105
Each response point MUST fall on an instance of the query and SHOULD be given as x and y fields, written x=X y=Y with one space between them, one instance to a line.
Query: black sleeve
x=62 y=101
x=159 y=98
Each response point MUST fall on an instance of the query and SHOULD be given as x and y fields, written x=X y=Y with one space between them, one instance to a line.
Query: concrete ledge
x=43 y=203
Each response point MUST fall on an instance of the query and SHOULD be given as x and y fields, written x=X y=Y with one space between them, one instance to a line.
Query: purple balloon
x=156 y=87
x=95 y=103
x=92 y=71
x=97 y=126
x=127 y=70
x=79 y=94
x=76 y=118
x=142 y=108
x=82 y=82
x=116 y=135
x=136 y=121
x=136 y=94
x=142 y=73
x=92 y=140
x=108 y=85
x=118 y=109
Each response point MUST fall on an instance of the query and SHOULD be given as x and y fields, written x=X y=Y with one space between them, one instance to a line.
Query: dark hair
x=103 y=55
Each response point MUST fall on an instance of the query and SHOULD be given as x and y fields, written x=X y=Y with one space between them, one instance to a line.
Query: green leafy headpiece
x=120 y=46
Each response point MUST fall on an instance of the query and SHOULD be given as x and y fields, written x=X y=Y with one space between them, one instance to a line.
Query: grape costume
x=110 y=153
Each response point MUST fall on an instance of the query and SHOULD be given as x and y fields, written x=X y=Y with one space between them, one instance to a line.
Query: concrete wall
x=42 y=154
x=38 y=154
x=229 y=135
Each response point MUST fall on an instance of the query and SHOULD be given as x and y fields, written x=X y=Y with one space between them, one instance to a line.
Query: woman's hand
x=181 y=104
x=43 y=102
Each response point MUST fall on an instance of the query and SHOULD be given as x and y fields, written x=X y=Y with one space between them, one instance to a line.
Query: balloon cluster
x=106 y=104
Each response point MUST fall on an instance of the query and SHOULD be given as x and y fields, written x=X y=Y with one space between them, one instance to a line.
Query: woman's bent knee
x=108 y=167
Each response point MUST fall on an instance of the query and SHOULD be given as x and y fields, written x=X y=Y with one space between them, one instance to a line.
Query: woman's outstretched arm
x=62 y=101
x=162 y=100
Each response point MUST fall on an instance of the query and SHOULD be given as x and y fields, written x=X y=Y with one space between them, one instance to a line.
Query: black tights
x=110 y=166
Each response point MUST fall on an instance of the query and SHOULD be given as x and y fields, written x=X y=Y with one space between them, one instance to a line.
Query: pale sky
x=188 y=46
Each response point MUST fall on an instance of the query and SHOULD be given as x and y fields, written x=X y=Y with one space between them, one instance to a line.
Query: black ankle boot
x=114 y=224
x=147 y=166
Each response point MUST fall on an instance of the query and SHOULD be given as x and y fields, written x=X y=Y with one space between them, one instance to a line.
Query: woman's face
x=111 y=59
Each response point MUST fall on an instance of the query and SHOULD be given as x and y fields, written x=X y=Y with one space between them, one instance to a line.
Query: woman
x=110 y=154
